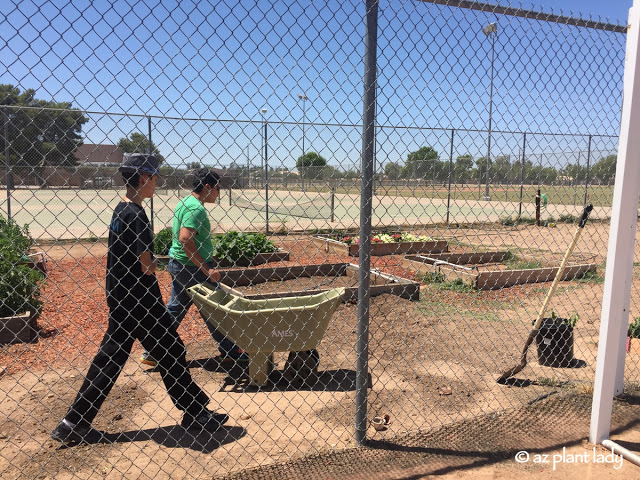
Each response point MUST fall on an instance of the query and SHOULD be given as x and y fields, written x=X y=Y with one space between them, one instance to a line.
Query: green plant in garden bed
x=569 y=321
x=233 y=245
x=455 y=285
x=383 y=238
x=162 y=241
x=19 y=283
x=430 y=277
x=513 y=262
x=634 y=328
x=592 y=276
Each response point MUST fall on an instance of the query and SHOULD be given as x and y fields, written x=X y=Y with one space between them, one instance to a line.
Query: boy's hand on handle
x=214 y=275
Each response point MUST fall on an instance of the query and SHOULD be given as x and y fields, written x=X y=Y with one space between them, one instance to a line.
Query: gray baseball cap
x=140 y=162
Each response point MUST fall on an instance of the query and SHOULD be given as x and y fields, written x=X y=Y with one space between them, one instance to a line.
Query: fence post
x=450 y=168
x=333 y=204
x=586 y=180
x=150 y=153
x=524 y=149
x=366 y=199
x=575 y=186
x=8 y=179
x=266 y=178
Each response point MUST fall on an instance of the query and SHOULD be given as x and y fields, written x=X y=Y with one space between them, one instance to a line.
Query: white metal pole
x=617 y=284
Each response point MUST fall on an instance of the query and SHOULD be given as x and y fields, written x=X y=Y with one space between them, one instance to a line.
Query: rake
x=503 y=379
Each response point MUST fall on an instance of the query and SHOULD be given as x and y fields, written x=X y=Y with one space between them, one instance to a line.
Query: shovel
x=532 y=335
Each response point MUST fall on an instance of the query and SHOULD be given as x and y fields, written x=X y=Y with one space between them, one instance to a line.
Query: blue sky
x=217 y=64
x=614 y=11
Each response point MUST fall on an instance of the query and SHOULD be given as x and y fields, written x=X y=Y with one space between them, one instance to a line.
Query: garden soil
x=433 y=367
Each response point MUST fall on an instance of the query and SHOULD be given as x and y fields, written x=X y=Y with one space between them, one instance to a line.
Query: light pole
x=266 y=172
x=304 y=98
x=490 y=30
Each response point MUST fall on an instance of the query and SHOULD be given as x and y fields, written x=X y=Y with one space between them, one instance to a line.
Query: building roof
x=102 y=154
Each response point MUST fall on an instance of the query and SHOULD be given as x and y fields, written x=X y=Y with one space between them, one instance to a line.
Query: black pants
x=145 y=319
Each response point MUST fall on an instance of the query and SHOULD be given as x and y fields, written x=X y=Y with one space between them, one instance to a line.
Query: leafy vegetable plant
x=570 y=321
x=387 y=238
x=233 y=246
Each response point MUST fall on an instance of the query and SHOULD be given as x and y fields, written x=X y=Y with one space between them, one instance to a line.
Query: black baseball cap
x=205 y=176
x=140 y=162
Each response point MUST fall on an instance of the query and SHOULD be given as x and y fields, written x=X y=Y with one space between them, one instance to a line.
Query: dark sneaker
x=77 y=434
x=209 y=421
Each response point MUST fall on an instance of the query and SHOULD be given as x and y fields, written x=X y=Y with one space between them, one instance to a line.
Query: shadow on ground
x=541 y=427
x=173 y=436
x=237 y=379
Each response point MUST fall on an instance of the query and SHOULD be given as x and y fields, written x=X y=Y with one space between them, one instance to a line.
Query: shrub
x=19 y=283
x=162 y=241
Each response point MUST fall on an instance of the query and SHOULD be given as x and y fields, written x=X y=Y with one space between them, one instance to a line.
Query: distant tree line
x=46 y=133
x=425 y=164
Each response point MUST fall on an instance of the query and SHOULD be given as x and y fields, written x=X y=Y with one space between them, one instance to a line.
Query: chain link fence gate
x=493 y=127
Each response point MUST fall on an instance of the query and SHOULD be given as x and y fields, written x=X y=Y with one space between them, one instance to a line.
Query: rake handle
x=558 y=277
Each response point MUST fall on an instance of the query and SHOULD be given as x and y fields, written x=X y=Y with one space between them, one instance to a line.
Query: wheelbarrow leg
x=260 y=366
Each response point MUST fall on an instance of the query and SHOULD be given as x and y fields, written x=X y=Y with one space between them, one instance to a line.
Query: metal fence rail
x=435 y=171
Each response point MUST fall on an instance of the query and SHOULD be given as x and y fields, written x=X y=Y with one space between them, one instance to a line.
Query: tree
x=393 y=170
x=481 y=169
x=311 y=165
x=41 y=132
x=604 y=170
x=421 y=163
x=193 y=165
x=501 y=169
x=139 y=143
x=351 y=174
x=462 y=168
x=574 y=173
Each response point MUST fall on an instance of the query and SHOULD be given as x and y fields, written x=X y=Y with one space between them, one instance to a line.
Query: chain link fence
x=491 y=127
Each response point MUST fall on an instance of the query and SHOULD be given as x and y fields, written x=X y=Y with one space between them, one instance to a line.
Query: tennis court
x=69 y=214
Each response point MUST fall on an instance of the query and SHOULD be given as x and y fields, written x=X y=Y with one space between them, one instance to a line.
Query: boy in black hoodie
x=136 y=311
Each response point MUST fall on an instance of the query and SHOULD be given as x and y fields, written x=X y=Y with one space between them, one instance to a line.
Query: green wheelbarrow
x=262 y=327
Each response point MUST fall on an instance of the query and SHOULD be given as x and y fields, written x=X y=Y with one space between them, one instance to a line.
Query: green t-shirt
x=191 y=213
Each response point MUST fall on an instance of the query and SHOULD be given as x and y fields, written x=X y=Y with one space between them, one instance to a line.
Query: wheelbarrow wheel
x=302 y=367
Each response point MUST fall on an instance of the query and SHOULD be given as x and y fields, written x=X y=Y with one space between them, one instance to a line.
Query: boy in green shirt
x=191 y=257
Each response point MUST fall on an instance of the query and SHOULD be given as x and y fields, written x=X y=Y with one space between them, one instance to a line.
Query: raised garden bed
x=324 y=277
x=482 y=272
x=331 y=245
x=37 y=261
x=259 y=259
x=20 y=328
